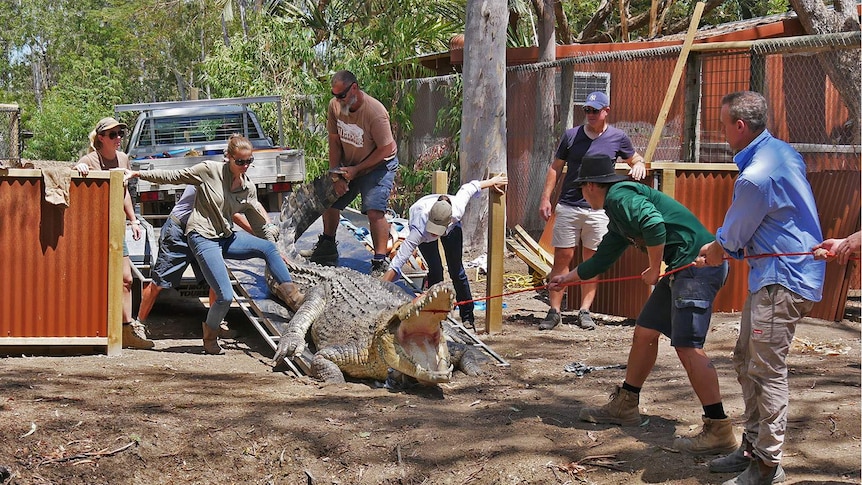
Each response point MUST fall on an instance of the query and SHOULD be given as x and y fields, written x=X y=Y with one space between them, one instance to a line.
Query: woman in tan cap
x=104 y=154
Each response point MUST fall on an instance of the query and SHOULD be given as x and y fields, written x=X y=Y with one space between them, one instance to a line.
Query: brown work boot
x=758 y=473
x=226 y=332
x=211 y=345
x=622 y=410
x=135 y=336
x=289 y=293
x=735 y=462
x=715 y=438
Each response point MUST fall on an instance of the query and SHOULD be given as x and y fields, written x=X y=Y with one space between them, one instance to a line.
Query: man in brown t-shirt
x=362 y=156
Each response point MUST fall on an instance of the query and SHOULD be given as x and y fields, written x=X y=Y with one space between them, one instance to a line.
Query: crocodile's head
x=411 y=341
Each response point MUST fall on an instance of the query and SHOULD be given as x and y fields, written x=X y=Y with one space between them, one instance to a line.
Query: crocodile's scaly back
x=361 y=326
x=301 y=208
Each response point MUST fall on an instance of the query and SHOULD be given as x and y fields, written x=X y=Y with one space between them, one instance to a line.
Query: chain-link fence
x=807 y=109
x=10 y=135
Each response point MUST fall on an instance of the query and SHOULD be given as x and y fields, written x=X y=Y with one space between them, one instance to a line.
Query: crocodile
x=360 y=326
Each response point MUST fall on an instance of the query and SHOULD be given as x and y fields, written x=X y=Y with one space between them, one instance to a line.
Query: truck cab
x=178 y=135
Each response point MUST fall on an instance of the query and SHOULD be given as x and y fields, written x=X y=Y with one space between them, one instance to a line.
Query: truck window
x=196 y=129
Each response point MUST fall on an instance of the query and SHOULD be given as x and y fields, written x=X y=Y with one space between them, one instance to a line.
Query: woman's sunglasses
x=114 y=134
x=243 y=163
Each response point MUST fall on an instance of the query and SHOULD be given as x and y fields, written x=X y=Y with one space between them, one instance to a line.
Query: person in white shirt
x=438 y=216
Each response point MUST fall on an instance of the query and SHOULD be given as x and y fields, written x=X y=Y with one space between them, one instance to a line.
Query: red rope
x=627 y=278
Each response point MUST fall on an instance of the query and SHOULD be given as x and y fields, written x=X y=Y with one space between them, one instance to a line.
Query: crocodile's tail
x=301 y=208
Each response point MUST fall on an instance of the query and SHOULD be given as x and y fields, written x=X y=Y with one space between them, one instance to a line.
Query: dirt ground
x=175 y=415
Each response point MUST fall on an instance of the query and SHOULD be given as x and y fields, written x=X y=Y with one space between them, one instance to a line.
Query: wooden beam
x=116 y=235
x=529 y=257
x=496 y=246
x=674 y=82
x=530 y=243
x=440 y=185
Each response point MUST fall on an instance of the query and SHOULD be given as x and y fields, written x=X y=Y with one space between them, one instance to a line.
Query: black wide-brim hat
x=598 y=169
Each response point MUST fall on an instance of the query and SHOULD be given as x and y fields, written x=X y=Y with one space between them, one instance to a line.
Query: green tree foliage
x=66 y=62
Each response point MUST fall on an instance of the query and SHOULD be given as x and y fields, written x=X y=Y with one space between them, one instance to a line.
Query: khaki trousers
x=769 y=320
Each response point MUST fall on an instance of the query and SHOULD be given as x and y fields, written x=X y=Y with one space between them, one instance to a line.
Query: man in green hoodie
x=680 y=306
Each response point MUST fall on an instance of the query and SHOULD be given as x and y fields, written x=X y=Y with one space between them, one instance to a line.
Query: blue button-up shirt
x=773 y=212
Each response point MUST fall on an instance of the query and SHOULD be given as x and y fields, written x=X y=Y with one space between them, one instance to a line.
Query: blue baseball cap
x=597 y=100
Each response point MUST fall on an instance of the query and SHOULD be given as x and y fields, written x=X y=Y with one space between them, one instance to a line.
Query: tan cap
x=106 y=124
x=439 y=217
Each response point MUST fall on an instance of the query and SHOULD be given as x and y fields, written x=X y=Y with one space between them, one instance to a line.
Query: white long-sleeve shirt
x=419 y=219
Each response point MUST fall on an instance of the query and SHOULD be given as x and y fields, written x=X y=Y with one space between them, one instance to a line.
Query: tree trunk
x=567 y=72
x=543 y=124
x=841 y=66
x=483 y=120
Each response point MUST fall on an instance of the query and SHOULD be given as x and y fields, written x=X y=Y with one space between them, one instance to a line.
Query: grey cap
x=439 y=217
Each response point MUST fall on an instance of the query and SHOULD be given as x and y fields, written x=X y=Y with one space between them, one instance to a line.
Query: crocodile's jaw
x=412 y=341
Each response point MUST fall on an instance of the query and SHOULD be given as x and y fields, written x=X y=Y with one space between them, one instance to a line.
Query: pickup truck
x=177 y=135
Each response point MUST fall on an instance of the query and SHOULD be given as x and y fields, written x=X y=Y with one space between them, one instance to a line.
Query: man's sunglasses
x=591 y=111
x=114 y=134
x=343 y=94
x=243 y=163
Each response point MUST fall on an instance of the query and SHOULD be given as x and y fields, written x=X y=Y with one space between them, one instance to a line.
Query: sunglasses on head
x=114 y=134
x=590 y=110
x=343 y=94
x=245 y=162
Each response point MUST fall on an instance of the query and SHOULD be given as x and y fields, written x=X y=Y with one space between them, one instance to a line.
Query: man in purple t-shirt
x=575 y=221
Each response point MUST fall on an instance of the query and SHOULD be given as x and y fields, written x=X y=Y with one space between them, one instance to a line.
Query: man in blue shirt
x=773 y=212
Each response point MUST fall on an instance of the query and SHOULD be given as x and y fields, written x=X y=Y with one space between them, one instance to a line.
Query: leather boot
x=290 y=294
x=758 y=473
x=715 y=438
x=211 y=345
x=735 y=462
x=622 y=410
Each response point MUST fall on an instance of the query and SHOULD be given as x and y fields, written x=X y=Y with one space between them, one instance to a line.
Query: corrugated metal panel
x=53 y=262
x=708 y=195
x=838 y=202
x=624 y=298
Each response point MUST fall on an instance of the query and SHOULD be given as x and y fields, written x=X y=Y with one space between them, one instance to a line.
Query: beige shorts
x=573 y=224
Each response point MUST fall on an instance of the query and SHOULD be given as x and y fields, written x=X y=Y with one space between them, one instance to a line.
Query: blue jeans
x=453 y=247
x=375 y=188
x=211 y=253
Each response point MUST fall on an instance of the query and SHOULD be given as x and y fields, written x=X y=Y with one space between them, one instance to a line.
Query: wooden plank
x=116 y=234
x=530 y=243
x=548 y=234
x=496 y=246
x=529 y=257
x=674 y=82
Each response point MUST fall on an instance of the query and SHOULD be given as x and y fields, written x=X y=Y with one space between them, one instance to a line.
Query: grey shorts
x=680 y=306
x=574 y=225
x=375 y=188
x=174 y=257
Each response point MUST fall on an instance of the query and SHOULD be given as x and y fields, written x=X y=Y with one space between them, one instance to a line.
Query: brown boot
x=715 y=438
x=211 y=345
x=290 y=294
x=622 y=410
x=135 y=336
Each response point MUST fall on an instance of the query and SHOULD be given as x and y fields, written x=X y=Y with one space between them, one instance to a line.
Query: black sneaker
x=325 y=252
x=552 y=319
x=379 y=267
x=585 y=320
